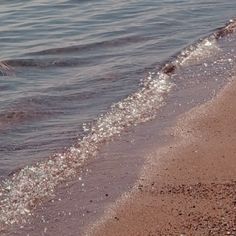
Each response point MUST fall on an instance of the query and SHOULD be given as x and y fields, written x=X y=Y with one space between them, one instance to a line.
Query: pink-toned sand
x=189 y=187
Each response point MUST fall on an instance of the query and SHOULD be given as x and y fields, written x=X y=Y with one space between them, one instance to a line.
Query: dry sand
x=188 y=187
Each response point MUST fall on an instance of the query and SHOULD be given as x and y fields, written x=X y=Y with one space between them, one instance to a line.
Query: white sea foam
x=197 y=52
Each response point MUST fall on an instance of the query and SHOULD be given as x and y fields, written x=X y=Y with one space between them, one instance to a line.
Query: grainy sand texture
x=188 y=187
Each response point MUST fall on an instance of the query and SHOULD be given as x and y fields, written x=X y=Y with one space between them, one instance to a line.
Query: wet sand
x=189 y=186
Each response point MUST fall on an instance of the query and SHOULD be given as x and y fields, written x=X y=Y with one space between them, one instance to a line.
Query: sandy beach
x=189 y=186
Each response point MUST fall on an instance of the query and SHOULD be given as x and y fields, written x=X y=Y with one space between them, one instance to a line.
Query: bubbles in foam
x=193 y=54
x=205 y=47
x=27 y=188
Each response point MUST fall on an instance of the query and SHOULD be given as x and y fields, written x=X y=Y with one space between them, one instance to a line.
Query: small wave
x=228 y=29
x=191 y=54
x=5 y=69
x=47 y=63
x=201 y=49
x=11 y=118
x=90 y=46
x=28 y=109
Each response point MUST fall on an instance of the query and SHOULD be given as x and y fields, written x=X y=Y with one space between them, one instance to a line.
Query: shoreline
x=81 y=201
x=103 y=181
x=192 y=188
x=138 y=107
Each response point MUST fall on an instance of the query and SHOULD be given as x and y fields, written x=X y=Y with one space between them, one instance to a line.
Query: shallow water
x=71 y=60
